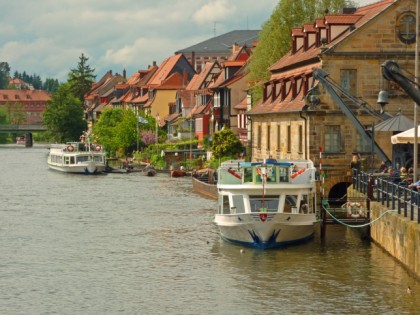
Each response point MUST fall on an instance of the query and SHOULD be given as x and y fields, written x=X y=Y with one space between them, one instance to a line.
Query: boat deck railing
x=389 y=191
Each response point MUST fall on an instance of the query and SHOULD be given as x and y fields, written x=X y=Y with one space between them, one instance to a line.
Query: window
x=406 y=27
x=259 y=137
x=362 y=144
x=348 y=79
x=216 y=99
x=300 y=139
x=278 y=138
x=268 y=137
x=332 y=139
x=199 y=125
x=289 y=138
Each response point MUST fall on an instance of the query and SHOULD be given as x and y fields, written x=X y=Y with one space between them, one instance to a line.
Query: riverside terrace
x=390 y=193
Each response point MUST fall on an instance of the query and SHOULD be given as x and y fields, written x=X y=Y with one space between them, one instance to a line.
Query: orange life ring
x=98 y=148
x=70 y=148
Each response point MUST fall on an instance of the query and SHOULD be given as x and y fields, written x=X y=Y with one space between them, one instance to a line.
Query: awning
x=405 y=136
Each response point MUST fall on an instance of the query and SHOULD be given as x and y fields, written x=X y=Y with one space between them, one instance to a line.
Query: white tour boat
x=266 y=204
x=84 y=157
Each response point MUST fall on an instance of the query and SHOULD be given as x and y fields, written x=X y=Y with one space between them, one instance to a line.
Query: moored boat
x=266 y=204
x=178 y=173
x=149 y=171
x=21 y=140
x=84 y=157
x=204 y=182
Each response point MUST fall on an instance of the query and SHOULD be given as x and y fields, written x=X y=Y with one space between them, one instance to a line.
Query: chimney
x=154 y=63
x=185 y=78
x=124 y=74
x=193 y=60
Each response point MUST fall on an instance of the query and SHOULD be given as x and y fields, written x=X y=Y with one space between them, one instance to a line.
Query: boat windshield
x=271 y=203
x=83 y=158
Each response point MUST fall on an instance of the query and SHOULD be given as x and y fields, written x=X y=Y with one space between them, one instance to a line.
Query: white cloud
x=215 y=10
x=48 y=36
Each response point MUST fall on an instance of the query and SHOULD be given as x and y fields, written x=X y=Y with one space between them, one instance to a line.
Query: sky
x=47 y=37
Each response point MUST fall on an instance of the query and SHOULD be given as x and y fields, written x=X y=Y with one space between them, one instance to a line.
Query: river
x=131 y=244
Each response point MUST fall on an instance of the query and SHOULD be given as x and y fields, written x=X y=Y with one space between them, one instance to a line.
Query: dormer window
x=406 y=27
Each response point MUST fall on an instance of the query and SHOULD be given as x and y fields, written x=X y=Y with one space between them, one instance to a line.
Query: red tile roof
x=242 y=105
x=289 y=104
x=201 y=80
x=309 y=28
x=164 y=70
x=297 y=31
x=140 y=99
x=339 y=19
x=24 y=96
x=173 y=82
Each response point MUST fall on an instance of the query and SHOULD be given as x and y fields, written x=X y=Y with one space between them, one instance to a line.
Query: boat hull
x=266 y=230
x=86 y=168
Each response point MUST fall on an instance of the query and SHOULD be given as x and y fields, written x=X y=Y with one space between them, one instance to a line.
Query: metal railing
x=391 y=192
x=22 y=127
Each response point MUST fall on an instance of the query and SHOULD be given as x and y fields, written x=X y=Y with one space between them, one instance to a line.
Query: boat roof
x=273 y=162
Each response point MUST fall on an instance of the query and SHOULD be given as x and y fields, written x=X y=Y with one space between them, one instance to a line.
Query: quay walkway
x=391 y=193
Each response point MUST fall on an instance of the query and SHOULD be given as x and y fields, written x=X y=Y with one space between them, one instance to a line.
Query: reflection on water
x=127 y=243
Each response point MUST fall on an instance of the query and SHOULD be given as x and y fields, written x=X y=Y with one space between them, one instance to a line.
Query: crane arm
x=332 y=89
x=391 y=71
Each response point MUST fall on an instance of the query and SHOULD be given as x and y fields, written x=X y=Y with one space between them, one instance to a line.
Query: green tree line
x=50 y=84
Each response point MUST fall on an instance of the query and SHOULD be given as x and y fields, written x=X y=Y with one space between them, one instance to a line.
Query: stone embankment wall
x=396 y=234
x=399 y=236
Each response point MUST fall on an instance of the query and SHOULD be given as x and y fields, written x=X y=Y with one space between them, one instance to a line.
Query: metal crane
x=335 y=91
x=392 y=71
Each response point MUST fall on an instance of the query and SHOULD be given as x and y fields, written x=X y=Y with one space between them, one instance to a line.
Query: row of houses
x=321 y=97
x=198 y=88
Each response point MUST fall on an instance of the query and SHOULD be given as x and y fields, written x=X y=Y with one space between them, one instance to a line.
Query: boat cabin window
x=283 y=174
x=304 y=205
x=72 y=160
x=294 y=204
x=238 y=204
x=82 y=158
x=271 y=203
x=290 y=204
x=97 y=158
x=224 y=205
x=270 y=172
x=247 y=174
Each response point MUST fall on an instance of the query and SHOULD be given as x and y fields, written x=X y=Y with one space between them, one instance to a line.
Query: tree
x=126 y=131
x=3 y=120
x=81 y=78
x=64 y=116
x=274 y=38
x=17 y=113
x=106 y=127
x=226 y=144
x=50 y=85
x=4 y=75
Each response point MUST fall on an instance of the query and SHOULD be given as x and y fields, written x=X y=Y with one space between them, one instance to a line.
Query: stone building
x=334 y=106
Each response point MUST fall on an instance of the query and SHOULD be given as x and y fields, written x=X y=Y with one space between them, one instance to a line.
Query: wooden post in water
x=28 y=140
x=323 y=203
